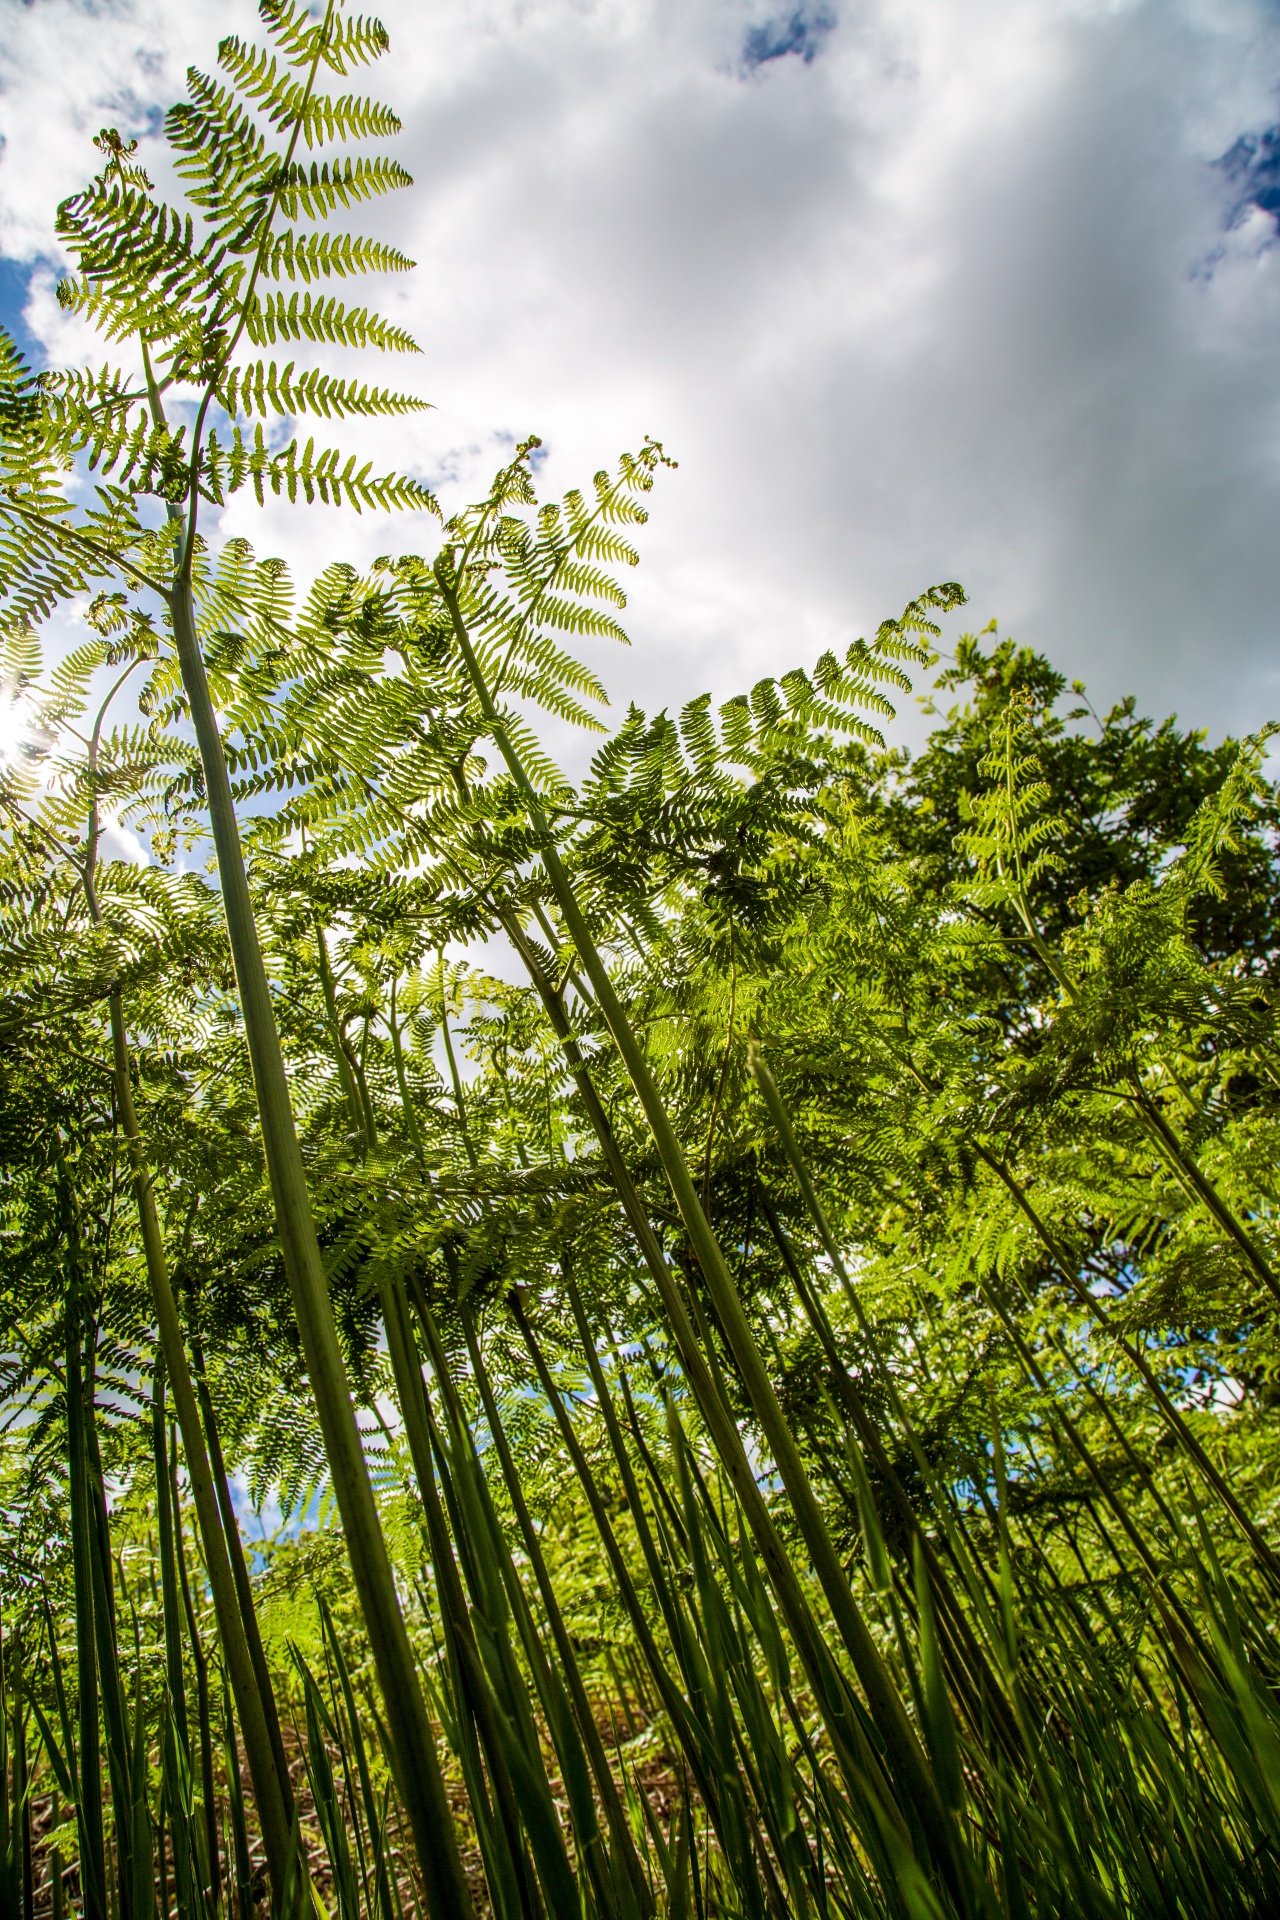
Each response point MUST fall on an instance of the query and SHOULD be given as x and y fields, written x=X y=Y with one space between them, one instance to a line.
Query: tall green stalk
x=409 y=1725
x=230 y=273
x=249 y=1686
x=476 y=1693
x=615 y=1814
x=93 y=1860
x=240 y=1574
x=199 y=1660
x=246 y=1684
x=905 y=1757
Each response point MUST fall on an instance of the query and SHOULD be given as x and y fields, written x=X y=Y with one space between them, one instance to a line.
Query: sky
x=913 y=290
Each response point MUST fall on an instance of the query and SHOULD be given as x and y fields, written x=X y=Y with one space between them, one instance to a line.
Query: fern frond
x=354 y=42
x=315 y=256
x=19 y=660
x=122 y=310
x=79 y=393
x=223 y=160
x=262 y=388
x=302 y=317
x=296 y=470
x=132 y=251
x=37 y=570
x=312 y=192
x=1013 y=840
x=290 y=103
x=20 y=392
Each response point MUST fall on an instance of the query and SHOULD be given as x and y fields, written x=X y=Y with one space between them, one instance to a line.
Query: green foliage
x=187 y=287
x=815 y=1340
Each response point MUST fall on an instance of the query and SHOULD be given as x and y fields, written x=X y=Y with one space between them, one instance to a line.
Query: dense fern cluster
x=754 y=1275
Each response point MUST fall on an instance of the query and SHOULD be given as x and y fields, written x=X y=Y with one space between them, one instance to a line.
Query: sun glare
x=21 y=738
x=12 y=730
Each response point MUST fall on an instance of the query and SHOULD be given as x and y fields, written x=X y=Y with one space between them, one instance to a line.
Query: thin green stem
x=408 y=1723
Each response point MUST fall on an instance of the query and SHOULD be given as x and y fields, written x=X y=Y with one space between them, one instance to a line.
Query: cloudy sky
x=914 y=290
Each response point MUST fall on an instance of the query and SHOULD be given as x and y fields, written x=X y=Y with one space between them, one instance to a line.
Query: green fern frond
x=313 y=192
x=261 y=388
x=38 y=572
x=20 y=392
x=69 y=680
x=119 y=313
x=315 y=256
x=354 y=42
x=289 y=103
x=125 y=235
x=75 y=397
x=223 y=160
x=1013 y=841
x=150 y=459
x=302 y=317
x=1214 y=829
x=20 y=660
x=300 y=470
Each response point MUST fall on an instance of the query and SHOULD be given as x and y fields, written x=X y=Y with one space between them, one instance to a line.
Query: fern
x=186 y=285
x=1011 y=841
x=316 y=256
x=304 y=318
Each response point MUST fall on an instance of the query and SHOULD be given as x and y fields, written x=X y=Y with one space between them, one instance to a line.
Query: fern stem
x=93 y=1864
x=846 y=1737
x=21 y=1780
x=455 y=1078
x=412 y=1395
x=974 y=1670
x=906 y=1757
x=199 y=1661
x=174 y=1675
x=341 y=1045
x=240 y=1575
x=418 y=1762
x=676 y=1708
x=615 y=1815
x=1265 y=1554
x=245 y=1684
x=111 y=1693
x=402 y=1082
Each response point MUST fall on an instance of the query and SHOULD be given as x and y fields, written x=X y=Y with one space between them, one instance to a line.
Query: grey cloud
x=932 y=304
x=930 y=293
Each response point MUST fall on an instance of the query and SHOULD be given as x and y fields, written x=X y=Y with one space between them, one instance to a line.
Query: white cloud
x=120 y=842
x=957 y=297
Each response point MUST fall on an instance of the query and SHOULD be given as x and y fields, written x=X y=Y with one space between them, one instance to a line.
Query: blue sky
x=797 y=34
x=14 y=279
x=913 y=292
x=1252 y=165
